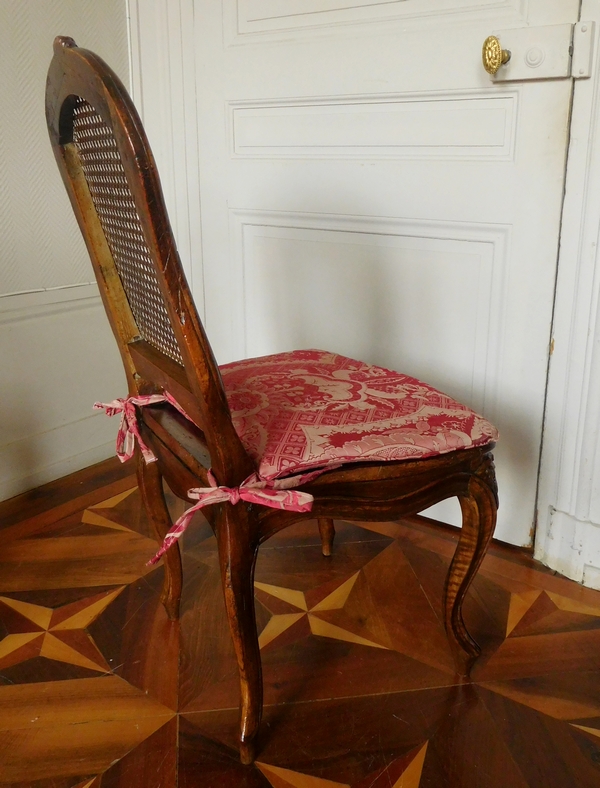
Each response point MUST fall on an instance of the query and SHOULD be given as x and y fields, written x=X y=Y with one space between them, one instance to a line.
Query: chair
x=295 y=430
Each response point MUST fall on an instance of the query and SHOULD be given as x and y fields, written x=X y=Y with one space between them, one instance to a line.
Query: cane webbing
x=121 y=224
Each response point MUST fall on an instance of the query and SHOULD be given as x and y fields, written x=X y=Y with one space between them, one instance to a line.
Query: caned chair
x=261 y=443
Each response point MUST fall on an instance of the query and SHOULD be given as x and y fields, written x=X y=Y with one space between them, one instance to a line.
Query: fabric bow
x=129 y=430
x=276 y=495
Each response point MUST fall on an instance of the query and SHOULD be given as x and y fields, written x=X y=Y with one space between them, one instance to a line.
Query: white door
x=366 y=188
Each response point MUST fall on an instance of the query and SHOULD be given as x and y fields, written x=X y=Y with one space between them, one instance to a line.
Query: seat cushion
x=310 y=409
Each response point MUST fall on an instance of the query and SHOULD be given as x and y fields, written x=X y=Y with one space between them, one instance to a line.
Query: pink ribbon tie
x=276 y=494
x=252 y=490
x=129 y=430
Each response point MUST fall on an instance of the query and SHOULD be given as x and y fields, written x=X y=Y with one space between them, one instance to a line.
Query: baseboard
x=58 y=358
x=39 y=459
x=571 y=547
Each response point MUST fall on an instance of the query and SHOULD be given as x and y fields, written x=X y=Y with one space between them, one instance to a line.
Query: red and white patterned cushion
x=309 y=409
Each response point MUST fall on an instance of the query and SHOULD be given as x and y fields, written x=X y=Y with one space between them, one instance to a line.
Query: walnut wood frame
x=364 y=491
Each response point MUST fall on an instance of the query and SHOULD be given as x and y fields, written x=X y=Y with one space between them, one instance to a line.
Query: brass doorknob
x=493 y=55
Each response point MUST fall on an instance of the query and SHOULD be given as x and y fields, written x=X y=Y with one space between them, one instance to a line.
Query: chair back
x=111 y=178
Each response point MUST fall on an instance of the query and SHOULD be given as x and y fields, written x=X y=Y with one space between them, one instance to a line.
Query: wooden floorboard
x=98 y=689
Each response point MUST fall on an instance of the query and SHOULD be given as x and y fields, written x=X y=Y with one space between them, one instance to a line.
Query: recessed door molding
x=459 y=125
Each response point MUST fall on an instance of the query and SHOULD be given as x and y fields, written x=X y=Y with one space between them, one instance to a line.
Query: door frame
x=568 y=509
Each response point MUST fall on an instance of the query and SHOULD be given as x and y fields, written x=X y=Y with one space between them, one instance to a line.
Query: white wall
x=57 y=354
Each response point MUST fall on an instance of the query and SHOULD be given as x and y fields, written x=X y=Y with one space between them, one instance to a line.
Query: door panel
x=367 y=189
x=382 y=271
x=247 y=20
x=472 y=126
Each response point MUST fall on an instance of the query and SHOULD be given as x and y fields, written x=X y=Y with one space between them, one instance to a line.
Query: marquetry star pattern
x=113 y=513
x=282 y=622
x=60 y=634
x=357 y=607
x=348 y=633
x=57 y=634
x=538 y=611
x=404 y=772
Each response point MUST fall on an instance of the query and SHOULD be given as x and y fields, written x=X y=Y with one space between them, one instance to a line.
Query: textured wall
x=41 y=245
x=57 y=353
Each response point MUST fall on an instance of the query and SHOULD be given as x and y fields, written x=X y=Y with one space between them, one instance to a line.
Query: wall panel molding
x=15 y=307
x=162 y=41
x=374 y=244
x=250 y=20
x=472 y=125
x=59 y=357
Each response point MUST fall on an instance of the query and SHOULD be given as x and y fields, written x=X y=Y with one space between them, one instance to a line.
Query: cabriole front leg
x=237 y=558
x=479 y=507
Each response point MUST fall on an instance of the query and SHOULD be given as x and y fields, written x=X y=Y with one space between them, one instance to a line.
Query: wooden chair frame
x=365 y=491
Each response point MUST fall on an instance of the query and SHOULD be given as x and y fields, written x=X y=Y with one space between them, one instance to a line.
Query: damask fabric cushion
x=310 y=409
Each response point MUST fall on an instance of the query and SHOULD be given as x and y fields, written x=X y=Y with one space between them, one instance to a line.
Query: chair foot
x=247 y=752
x=464 y=662
x=327 y=531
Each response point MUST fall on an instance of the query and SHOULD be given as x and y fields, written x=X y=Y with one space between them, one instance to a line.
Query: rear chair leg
x=327 y=531
x=479 y=507
x=153 y=497
x=237 y=558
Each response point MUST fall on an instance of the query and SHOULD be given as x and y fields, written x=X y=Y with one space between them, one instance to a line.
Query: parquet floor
x=97 y=688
